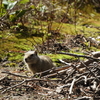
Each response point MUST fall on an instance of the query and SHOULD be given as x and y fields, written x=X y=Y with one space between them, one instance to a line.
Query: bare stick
x=3 y=78
x=70 y=90
x=68 y=76
x=53 y=70
x=90 y=71
x=13 y=86
x=75 y=55
x=69 y=64
x=27 y=80
x=87 y=62
x=7 y=72
x=80 y=78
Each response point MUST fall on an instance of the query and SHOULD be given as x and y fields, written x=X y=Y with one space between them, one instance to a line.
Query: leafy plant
x=23 y=1
x=14 y=16
x=8 y=5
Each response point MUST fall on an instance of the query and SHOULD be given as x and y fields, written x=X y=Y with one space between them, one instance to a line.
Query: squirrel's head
x=31 y=57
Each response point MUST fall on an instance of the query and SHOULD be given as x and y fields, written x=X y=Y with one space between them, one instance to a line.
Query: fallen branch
x=13 y=86
x=7 y=72
x=72 y=72
x=72 y=85
x=87 y=62
x=22 y=82
x=90 y=71
x=53 y=70
x=88 y=57
x=58 y=73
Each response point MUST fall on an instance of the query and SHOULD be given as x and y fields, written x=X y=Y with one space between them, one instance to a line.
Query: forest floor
x=76 y=78
x=73 y=47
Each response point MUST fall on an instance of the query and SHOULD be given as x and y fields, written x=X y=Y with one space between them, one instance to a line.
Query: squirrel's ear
x=35 y=52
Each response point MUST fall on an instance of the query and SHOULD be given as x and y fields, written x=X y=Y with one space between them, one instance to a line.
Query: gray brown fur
x=37 y=63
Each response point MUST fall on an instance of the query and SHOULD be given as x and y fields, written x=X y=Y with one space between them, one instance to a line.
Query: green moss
x=11 y=64
x=91 y=22
x=15 y=56
x=79 y=28
x=13 y=43
x=56 y=57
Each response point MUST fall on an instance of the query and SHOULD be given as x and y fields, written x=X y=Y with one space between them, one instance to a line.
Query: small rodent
x=36 y=63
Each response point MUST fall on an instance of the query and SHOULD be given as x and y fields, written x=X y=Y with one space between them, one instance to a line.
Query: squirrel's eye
x=31 y=55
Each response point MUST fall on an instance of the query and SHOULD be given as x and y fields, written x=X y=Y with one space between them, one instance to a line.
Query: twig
x=68 y=76
x=27 y=80
x=53 y=70
x=7 y=72
x=83 y=91
x=92 y=78
x=3 y=78
x=13 y=86
x=70 y=90
x=84 y=98
x=56 y=73
x=75 y=55
x=59 y=88
x=87 y=62
x=90 y=71
x=69 y=64
x=80 y=78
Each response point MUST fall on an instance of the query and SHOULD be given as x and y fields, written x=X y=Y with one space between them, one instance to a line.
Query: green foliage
x=23 y=1
x=15 y=57
x=16 y=15
x=56 y=57
x=11 y=64
x=0 y=36
x=31 y=24
x=8 y=5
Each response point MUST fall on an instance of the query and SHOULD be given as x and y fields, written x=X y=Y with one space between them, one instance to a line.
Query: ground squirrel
x=36 y=63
